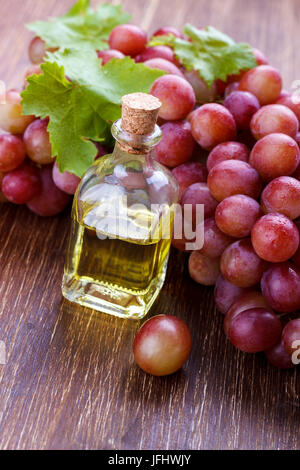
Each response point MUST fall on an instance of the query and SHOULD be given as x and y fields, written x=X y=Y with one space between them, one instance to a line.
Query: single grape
x=226 y=294
x=163 y=64
x=128 y=39
x=162 y=345
x=21 y=185
x=255 y=330
x=291 y=102
x=65 y=181
x=189 y=173
x=12 y=152
x=198 y=193
x=37 y=142
x=282 y=195
x=11 y=117
x=280 y=286
x=291 y=337
x=242 y=105
x=275 y=238
x=240 y=265
x=177 y=97
x=51 y=200
x=177 y=144
x=264 y=82
x=212 y=124
x=215 y=241
x=157 y=52
x=275 y=155
x=250 y=298
x=109 y=54
x=204 y=270
x=228 y=151
x=168 y=30
x=236 y=215
x=278 y=357
x=260 y=57
x=202 y=92
x=233 y=177
x=274 y=119
x=37 y=50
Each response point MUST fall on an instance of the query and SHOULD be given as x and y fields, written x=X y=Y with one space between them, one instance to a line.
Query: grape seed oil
x=122 y=220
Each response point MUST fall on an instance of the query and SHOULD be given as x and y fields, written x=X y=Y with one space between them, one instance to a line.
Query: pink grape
x=65 y=181
x=250 y=298
x=275 y=238
x=203 y=93
x=177 y=144
x=242 y=105
x=297 y=139
x=168 y=30
x=255 y=330
x=11 y=117
x=275 y=155
x=291 y=102
x=236 y=215
x=240 y=264
x=282 y=195
x=233 y=177
x=228 y=151
x=215 y=241
x=231 y=88
x=198 y=193
x=272 y=119
x=202 y=269
x=291 y=337
x=280 y=286
x=51 y=200
x=12 y=152
x=109 y=54
x=226 y=294
x=37 y=50
x=260 y=57
x=163 y=64
x=156 y=52
x=264 y=82
x=128 y=39
x=21 y=185
x=177 y=97
x=37 y=142
x=189 y=173
x=212 y=124
x=278 y=357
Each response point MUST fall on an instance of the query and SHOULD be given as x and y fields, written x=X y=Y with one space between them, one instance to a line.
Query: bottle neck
x=134 y=144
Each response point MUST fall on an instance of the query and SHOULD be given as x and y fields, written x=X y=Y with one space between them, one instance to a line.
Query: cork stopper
x=139 y=113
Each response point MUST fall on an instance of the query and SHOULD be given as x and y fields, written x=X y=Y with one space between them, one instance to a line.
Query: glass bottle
x=122 y=219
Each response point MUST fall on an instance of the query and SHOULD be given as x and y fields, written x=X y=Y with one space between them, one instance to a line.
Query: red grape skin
x=157 y=52
x=227 y=151
x=177 y=97
x=291 y=103
x=226 y=294
x=198 y=193
x=255 y=330
x=189 y=173
x=231 y=88
x=2 y=197
x=282 y=195
x=163 y=64
x=215 y=241
x=11 y=117
x=21 y=185
x=275 y=155
x=162 y=345
x=297 y=139
x=264 y=82
x=274 y=119
x=180 y=242
x=65 y=181
x=260 y=57
x=168 y=30
x=128 y=39
x=291 y=335
x=278 y=357
x=242 y=105
x=204 y=270
x=280 y=286
x=12 y=152
x=51 y=200
x=240 y=265
x=109 y=54
x=236 y=215
x=37 y=142
x=212 y=124
x=275 y=238
x=233 y=177
x=202 y=92
x=177 y=144
x=249 y=299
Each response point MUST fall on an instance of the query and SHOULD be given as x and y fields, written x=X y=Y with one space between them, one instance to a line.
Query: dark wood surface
x=70 y=381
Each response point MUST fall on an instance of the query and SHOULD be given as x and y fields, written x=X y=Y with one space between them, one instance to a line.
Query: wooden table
x=70 y=381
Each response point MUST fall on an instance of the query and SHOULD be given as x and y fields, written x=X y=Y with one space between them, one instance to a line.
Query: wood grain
x=70 y=381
